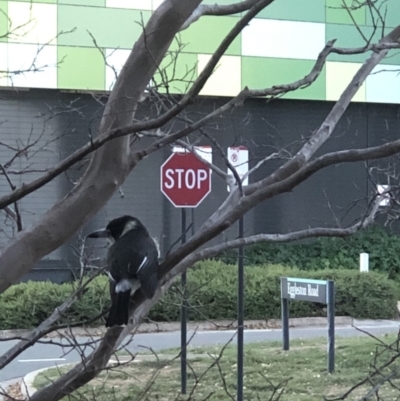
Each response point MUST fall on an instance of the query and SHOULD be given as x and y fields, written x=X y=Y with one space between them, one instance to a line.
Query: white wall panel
x=283 y=39
x=23 y=57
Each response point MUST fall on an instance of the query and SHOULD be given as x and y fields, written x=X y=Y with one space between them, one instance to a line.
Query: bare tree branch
x=137 y=127
x=216 y=9
x=90 y=194
x=327 y=127
x=113 y=160
x=45 y=327
x=16 y=215
x=293 y=236
x=120 y=131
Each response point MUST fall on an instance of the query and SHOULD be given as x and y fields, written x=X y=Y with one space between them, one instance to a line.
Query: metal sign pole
x=240 y=315
x=186 y=182
x=183 y=312
x=238 y=157
x=192 y=229
x=285 y=320
x=331 y=326
x=321 y=291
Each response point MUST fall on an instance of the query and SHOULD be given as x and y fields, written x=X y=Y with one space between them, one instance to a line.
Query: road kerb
x=27 y=388
x=200 y=326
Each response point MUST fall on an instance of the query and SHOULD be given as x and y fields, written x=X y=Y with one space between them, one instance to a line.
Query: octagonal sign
x=185 y=180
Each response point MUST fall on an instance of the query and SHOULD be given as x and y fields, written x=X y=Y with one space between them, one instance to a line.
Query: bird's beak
x=99 y=234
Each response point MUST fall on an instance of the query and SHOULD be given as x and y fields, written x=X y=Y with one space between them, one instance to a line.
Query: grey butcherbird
x=132 y=262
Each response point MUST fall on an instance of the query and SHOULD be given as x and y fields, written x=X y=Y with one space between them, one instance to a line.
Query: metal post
x=240 y=315
x=192 y=213
x=285 y=323
x=183 y=311
x=331 y=326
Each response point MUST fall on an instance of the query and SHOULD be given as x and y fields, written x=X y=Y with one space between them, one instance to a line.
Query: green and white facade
x=278 y=47
x=55 y=107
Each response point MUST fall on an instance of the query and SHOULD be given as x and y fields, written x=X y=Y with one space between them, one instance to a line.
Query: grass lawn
x=266 y=365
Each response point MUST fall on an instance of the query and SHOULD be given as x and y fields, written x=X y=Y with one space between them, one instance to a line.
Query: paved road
x=47 y=355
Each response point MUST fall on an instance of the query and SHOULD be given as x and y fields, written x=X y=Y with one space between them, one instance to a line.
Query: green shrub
x=330 y=253
x=26 y=305
x=212 y=294
x=212 y=288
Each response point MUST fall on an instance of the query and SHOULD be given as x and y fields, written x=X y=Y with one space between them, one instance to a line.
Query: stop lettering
x=185 y=180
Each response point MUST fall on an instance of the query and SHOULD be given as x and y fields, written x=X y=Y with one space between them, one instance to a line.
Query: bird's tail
x=119 y=312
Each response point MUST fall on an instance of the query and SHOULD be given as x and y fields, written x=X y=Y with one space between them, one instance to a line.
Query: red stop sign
x=185 y=180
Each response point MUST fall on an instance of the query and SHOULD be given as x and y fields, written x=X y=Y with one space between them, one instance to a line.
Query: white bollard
x=364 y=262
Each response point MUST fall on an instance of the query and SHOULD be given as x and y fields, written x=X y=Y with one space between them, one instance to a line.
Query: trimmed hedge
x=382 y=245
x=213 y=294
x=26 y=305
x=212 y=289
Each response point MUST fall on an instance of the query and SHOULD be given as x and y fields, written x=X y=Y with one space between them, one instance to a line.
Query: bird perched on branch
x=132 y=262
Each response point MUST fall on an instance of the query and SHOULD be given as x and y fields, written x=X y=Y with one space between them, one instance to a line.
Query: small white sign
x=238 y=157
x=205 y=152
x=385 y=199
x=364 y=262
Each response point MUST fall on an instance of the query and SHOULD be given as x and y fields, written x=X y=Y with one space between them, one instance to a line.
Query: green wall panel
x=180 y=74
x=3 y=21
x=80 y=68
x=348 y=36
x=38 y=1
x=392 y=58
x=335 y=13
x=206 y=34
x=390 y=10
x=98 y=3
x=309 y=10
x=111 y=27
x=258 y=73
x=393 y=13
x=83 y=66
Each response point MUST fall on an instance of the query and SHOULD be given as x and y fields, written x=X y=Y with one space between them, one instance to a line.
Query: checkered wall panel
x=68 y=41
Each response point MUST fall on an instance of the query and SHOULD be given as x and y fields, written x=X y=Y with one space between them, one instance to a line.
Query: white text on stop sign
x=181 y=178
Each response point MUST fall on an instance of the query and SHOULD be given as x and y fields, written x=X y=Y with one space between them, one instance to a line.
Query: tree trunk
x=109 y=166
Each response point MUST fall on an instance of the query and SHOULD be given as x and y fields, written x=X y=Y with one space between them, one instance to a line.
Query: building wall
x=78 y=46
x=279 y=46
x=61 y=122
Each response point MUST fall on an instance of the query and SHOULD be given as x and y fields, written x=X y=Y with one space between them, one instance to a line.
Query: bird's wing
x=148 y=269
x=138 y=261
